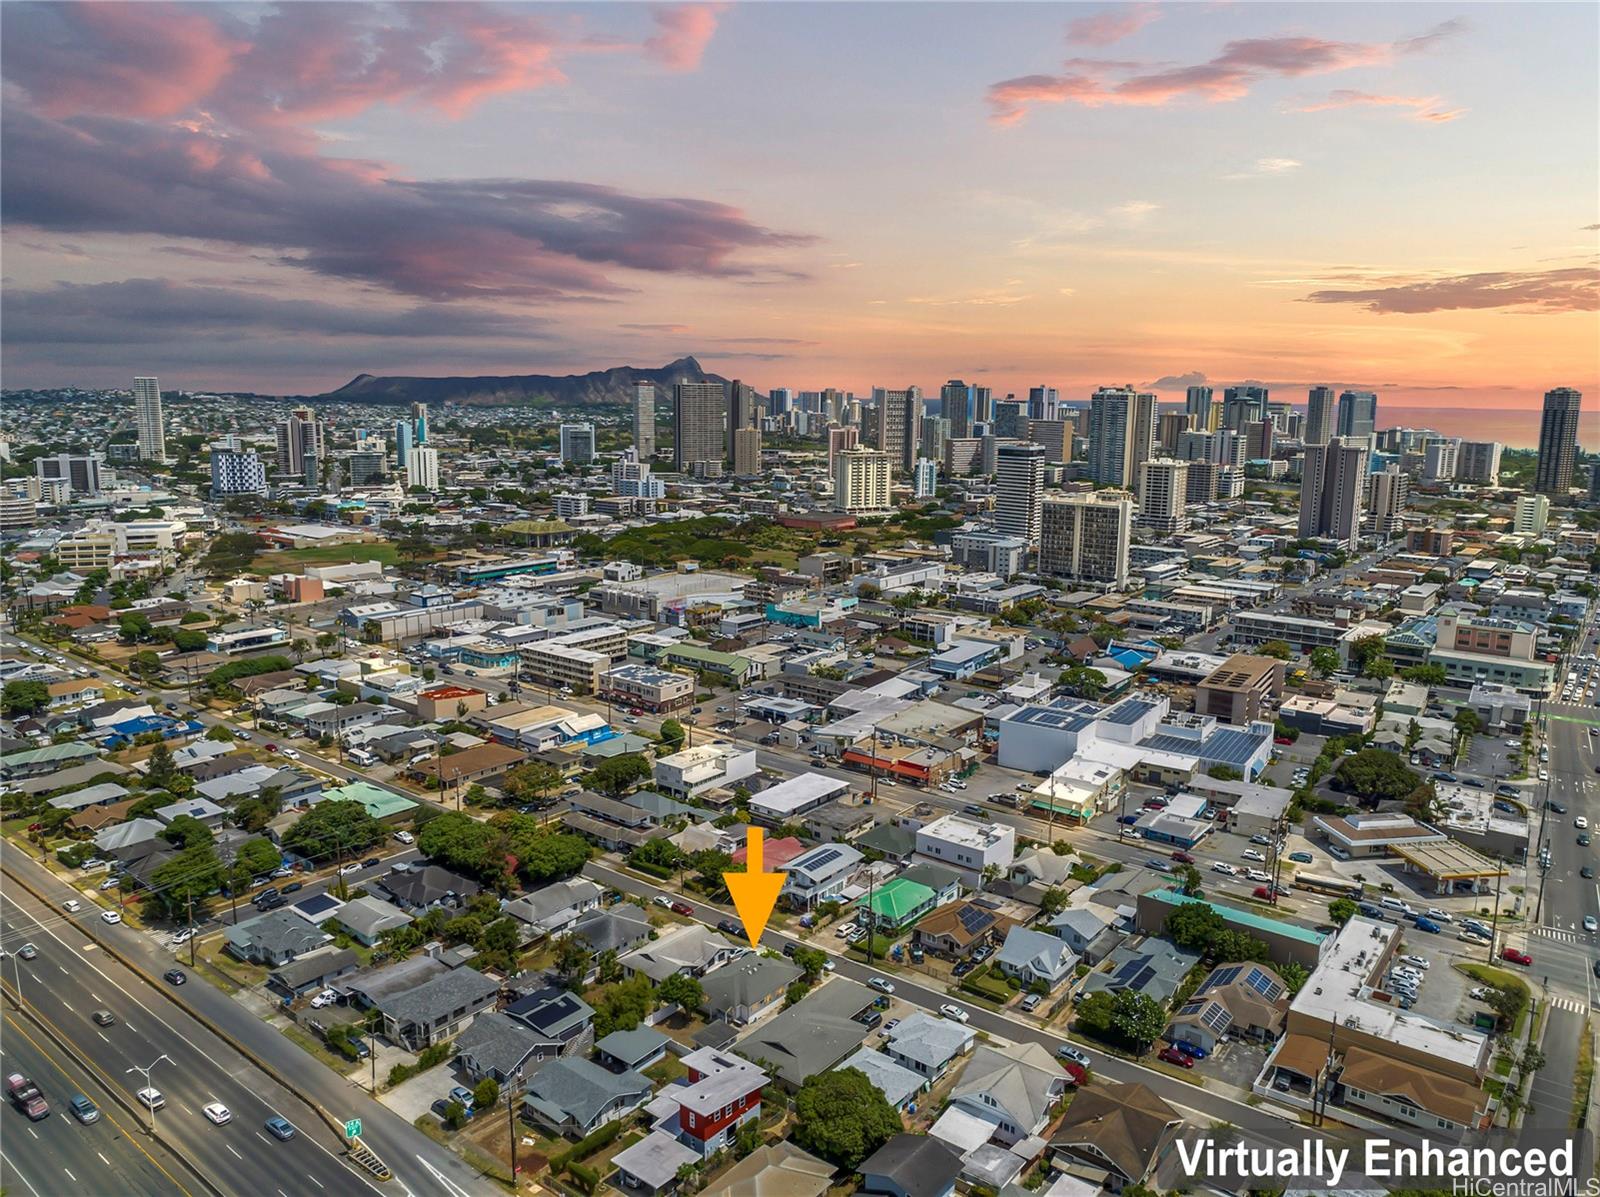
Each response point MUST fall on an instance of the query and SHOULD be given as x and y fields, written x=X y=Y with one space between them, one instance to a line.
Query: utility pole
x=190 y=901
x=1494 y=925
x=512 y=1092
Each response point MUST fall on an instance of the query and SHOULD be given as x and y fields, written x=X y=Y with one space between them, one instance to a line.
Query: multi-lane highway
x=61 y=1154
x=72 y=976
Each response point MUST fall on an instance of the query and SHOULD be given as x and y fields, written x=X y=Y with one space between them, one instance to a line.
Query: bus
x=1337 y=887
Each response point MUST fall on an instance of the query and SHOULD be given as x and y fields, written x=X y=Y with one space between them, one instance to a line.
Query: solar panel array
x=973 y=921
x=1263 y=983
x=822 y=857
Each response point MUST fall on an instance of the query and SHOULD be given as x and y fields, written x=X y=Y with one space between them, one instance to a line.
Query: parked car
x=1426 y=924
x=1416 y=961
x=1067 y=1052
x=1253 y=854
x=371 y=862
x=175 y=976
x=662 y=901
x=405 y=837
x=462 y=1094
x=352 y=867
x=880 y=984
x=955 y=1012
x=682 y=908
x=1192 y=1050
x=1172 y=1055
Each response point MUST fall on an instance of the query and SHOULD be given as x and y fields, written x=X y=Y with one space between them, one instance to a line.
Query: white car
x=1589 y=923
x=880 y=984
x=151 y=1098
x=291 y=753
x=1437 y=915
x=405 y=837
x=662 y=900
x=326 y=998
x=1421 y=962
x=1580 y=822
x=218 y=1113
x=955 y=1012
x=1252 y=854
x=72 y=906
x=182 y=937
x=354 y=866
x=110 y=883
x=1258 y=875
x=1223 y=866
x=845 y=930
x=111 y=916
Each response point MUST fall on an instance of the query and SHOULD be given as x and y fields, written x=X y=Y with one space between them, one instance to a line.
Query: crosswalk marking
x=1563 y=934
x=1573 y=1004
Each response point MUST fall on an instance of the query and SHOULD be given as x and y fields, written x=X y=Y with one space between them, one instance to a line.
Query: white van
x=1395 y=904
x=362 y=757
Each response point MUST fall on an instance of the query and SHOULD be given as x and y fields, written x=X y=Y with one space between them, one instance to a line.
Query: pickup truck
x=25 y=1095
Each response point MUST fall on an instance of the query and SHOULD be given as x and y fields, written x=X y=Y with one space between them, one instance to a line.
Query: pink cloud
x=146 y=60
x=1104 y=28
x=1422 y=108
x=1230 y=75
x=684 y=32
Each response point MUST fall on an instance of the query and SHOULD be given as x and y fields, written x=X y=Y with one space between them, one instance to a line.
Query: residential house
x=554 y=909
x=748 y=989
x=911 y=1166
x=202 y=810
x=651 y=1165
x=418 y=890
x=1248 y=1001
x=274 y=939
x=780 y=1168
x=1042 y=867
x=1155 y=969
x=366 y=918
x=637 y=1049
x=691 y=949
x=839 y=822
x=890 y=841
x=723 y=1093
x=613 y=929
x=927 y=1045
x=562 y=1023
x=1035 y=958
x=1015 y=1089
x=313 y=973
x=130 y=841
x=899 y=1085
x=819 y=875
x=1090 y=931
x=953 y=931
x=499 y=1047
x=946 y=883
x=573 y=1096
x=105 y=794
x=895 y=905
x=1123 y=1131
x=813 y=1035
x=438 y=1009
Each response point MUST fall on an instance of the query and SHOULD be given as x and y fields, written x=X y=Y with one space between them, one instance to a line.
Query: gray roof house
x=1035 y=957
x=813 y=1035
x=497 y=1046
x=573 y=1096
x=749 y=988
x=926 y=1045
x=911 y=1166
x=689 y=949
x=274 y=939
x=944 y=882
x=898 y=1085
x=651 y=1165
x=553 y=909
x=415 y=890
x=437 y=1009
x=103 y=794
x=1090 y=931
x=636 y=1049
x=658 y=808
x=312 y=972
x=616 y=928
x=367 y=917
x=133 y=840
x=1014 y=1089
x=1155 y=969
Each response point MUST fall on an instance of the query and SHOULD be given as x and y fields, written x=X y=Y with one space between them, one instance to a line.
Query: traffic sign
x=352 y=1129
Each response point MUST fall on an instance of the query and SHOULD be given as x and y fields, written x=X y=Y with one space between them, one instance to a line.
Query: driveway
x=411 y=1098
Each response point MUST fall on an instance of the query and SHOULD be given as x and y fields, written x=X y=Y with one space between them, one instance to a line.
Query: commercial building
x=1358 y=415
x=699 y=415
x=81 y=472
x=693 y=771
x=422 y=468
x=1086 y=537
x=1558 y=441
x=1332 y=485
x=1122 y=424
x=990 y=552
x=1242 y=690
x=967 y=846
x=1019 y=489
x=577 y=443
x=861 y=481
x=644 y=686
x=235 y=470
x=148 y=421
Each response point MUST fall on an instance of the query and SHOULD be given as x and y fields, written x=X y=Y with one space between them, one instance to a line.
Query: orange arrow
x=754 y=892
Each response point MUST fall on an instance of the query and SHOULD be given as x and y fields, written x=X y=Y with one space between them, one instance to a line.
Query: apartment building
x=1241 y=690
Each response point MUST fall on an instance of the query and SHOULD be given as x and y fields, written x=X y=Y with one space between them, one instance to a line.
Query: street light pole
x=145 y=1072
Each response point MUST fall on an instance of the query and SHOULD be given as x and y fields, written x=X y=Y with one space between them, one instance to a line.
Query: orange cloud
x=1573 y=289
x=1422 y=108
x=685 y=31
x=1104 y=28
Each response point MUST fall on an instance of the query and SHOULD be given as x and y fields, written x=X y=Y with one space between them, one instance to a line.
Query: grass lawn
x=327 y=554
x=667 y=1070
x=1501 y=979
x=308 y=1042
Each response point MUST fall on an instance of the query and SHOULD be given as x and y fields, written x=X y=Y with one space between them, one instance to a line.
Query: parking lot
x=1492 y=757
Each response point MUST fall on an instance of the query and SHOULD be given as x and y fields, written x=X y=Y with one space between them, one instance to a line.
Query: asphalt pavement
x=109 y=1157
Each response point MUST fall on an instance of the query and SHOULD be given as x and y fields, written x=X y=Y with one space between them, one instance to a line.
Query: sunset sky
x=275 y=198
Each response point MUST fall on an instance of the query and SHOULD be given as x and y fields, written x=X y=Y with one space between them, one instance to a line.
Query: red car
x=1263 y=893
x=272 y=748
x=1183 y=858
x=1173 y=1056
x=1516 y=957
x=1282 y=740
x=682 y=908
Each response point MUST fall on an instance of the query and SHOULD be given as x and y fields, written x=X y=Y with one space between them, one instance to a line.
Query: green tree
x=1366 y=650
x=145 y=663
x=1376 y=775
x=573 y=955
x=485 y=1093
x=332 y=827
x=160 y=771
x=682 y=989
x=1294 y=975
x=190 y=875
x=1053 y=901
x=672 y=735
x=24 y=698
x=624 y=1006
x=1280 y=649
x=1342 y=910
x=1137 y=1017
x=530 y=782
x=1190 y=881
x=222 y=733
x=1378 y=668
x=1427 y=675
x=811 y=962
x=1082 y=681
x=1467 y=722
x=187 y=831
x=187 y=640
x=1194 y=926
x=843 y=1117
x=609 y=968
x=617 y=775
x=1094 y=1013
x=657 y=854
x=1324 y=661
x=134 y=627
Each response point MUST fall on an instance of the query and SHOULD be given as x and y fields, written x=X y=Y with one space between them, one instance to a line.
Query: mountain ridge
x=613 y=385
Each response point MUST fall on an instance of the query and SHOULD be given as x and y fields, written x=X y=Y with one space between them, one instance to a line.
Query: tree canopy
x=843 y=1117
x=332 y=827
x=1376 y=774
x=617 y=775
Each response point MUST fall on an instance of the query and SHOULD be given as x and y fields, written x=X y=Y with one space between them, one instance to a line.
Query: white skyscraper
x=861 y=481
x=236 y=470
x=147 y=416
x=1019 y=489
x=422 y=468
x=1532 y=513
x=1441 y=460
x=1163 y=490
x=925 y=480
x=644 y=420
x=1387 y=493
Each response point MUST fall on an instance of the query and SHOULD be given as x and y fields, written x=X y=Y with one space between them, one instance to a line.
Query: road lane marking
x=68 y=1171
x=315 y=1181
x=236 y=1155
x=32 y=1132
x=103 y=1159
x=262 y=1137
x=68 y=1006
x=102 y=1036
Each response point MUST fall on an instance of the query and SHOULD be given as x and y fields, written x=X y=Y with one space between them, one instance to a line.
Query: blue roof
x=1242 y=918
